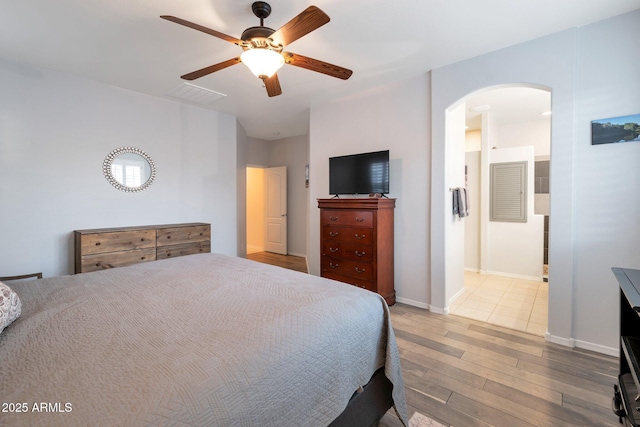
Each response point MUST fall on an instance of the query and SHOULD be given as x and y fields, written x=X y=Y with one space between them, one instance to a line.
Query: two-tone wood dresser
x=356 y=243
x=102 y=248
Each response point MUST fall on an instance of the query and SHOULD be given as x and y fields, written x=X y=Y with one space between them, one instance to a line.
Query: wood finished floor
x=287 y=261
x=462 y=372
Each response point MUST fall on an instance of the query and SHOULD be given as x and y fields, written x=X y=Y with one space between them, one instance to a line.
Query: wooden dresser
x=102 y=248
x=356 y=243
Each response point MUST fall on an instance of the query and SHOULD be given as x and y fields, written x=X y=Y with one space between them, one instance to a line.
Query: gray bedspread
x=201 y=340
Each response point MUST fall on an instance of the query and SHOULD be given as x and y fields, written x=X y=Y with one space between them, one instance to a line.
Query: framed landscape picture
x=615 y=129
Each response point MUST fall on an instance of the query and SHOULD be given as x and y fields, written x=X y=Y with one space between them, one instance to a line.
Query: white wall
x=589 y=231
x=454 y=246
x=516 y=249
x=542 y=62
x=536 y=134
x=472 y=254
x=393 y=117
x=292 y=153
x=255 y=210
x=512 y=249
x=55 y=132
x=607 y=177
x=473 y=140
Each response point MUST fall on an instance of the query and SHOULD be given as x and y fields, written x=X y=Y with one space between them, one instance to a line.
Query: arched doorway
x=495 y=269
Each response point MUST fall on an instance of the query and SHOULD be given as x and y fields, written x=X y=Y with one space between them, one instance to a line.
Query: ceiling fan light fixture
x=263 y=62
x=263 y=47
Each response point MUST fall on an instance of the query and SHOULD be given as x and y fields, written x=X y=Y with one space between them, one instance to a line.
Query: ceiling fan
x=263 y=47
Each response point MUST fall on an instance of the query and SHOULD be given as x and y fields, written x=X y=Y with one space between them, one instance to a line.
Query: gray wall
x=55 y=132
x=292 y=153
x=395 y=117
x=591 y=74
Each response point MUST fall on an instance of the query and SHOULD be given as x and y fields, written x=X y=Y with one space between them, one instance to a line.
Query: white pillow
x=10 y=306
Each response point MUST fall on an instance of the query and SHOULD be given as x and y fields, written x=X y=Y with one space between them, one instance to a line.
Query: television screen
x=365 y=173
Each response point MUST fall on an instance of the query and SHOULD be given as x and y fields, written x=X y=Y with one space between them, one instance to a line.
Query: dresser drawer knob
x=358 y=253
x=360 y=236
x=333 y=218
x=359 y=219
x=332 y=265
x=334 y=250
x=360 y=270
x=333 y=233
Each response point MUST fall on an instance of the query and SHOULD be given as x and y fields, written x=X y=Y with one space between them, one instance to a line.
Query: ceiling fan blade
x=308 y=20
x=316 y=65
x=210 y=69
x=203 y=29
x=273 y=85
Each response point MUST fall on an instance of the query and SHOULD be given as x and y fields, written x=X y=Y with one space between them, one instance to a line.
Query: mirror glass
x=129 y=169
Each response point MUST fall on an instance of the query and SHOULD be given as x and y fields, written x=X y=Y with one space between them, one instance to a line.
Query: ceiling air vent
x=197 y=94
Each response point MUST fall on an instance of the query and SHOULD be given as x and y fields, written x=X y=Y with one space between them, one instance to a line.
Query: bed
x=200 y=340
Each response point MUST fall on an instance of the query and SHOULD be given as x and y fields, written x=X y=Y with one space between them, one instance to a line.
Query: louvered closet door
x=508 y=192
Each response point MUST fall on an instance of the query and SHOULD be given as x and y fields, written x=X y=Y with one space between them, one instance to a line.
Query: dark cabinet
x=356 y=243
x=625 y=403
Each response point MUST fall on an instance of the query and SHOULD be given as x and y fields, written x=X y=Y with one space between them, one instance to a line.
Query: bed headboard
x=101 y=248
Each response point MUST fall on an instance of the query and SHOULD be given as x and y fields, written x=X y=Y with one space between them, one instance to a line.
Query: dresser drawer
x=117 y=241
x=355 y=252
x=349 y=268
x=356 y=243
x=347 y=217
x=361 y=236
x=96 y=262
x=178 y=235
x=172 y=251
x=100 y=248
x=355 y=281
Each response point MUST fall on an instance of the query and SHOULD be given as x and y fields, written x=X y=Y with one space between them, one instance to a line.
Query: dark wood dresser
x=625 y=404
x=102 y=248
x=356 y=243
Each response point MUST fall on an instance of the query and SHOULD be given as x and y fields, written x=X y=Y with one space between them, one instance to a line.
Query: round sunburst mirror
x=129 y=169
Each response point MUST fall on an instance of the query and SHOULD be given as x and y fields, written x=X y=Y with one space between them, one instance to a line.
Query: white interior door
x=276 y=210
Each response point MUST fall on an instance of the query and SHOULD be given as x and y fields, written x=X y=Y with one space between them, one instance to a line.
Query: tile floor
x=505 y=301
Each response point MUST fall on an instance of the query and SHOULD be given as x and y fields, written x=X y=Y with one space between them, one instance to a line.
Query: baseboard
x=516 y=276
x=609 y=351
x=296 y=254
x=567 y=342
x=252 y=249
x=456 y=296
x=439 y=310
x=413 y=303
x=475 y=270
x=585 y=345
x=500 y=273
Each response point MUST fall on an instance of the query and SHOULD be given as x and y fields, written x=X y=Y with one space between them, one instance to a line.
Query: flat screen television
x=365 y=173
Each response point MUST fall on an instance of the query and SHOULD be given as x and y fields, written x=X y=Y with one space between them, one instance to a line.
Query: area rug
x=419 y=420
